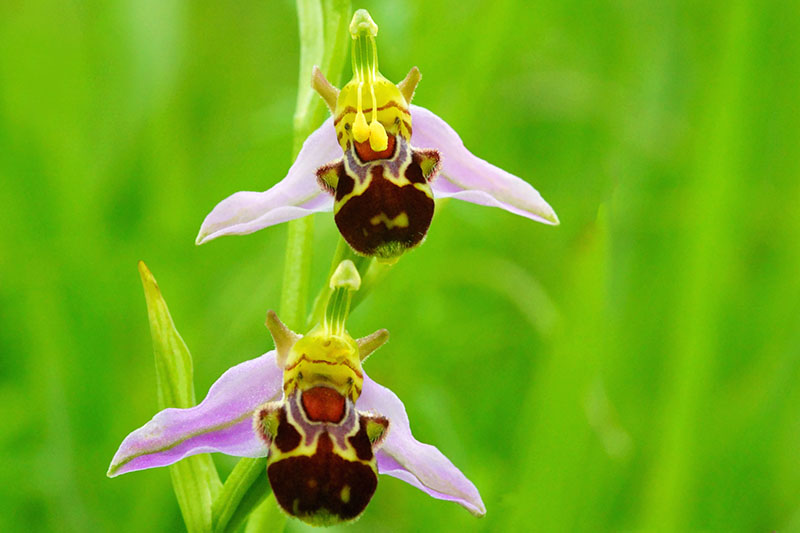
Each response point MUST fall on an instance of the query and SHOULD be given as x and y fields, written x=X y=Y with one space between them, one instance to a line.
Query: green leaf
x=194 y=479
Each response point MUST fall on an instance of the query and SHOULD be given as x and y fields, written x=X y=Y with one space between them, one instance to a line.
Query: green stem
x=373 y=274
x=323 y=26
x=246 y=487
x=296 y=272
x=371 y=271
x=323 y=41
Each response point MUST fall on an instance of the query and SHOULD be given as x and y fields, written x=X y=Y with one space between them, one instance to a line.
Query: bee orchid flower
x=326 y=428
x=380 y=177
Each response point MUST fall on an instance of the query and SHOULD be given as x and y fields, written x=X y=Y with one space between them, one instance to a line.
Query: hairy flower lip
x=463 y=176
x=222 y=422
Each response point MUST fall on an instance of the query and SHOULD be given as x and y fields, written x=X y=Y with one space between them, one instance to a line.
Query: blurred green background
x=637 y=367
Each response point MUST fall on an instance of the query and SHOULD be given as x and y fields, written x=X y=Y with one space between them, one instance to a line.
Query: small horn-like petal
x=284 y=337
x=370 y=343
x=324 y=88
x=409 y=84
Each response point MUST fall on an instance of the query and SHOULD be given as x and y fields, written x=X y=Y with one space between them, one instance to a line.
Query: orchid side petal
x=467 y=177
x=404 y=457
x=222 y=422
x=295 y=196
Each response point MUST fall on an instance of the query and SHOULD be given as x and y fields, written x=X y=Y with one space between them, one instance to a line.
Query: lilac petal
x=221 y=423
x=295 y=196
x=404 y=457
x=470 y=178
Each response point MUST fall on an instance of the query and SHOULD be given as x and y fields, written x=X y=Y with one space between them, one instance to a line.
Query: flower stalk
x=322 y=27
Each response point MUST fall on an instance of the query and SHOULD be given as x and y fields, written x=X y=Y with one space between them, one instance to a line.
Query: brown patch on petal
x=361 y=441
x=345 y=187
x=324 y=488
x=288 y=438
x=323 y=404
x=369 y=222
x=414 y=171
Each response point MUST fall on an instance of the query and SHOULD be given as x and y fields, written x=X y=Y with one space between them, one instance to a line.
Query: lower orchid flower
x=326 y=428
x=380 y=178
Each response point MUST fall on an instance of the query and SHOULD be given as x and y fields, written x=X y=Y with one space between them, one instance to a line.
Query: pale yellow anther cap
x=378 y=140
x=361 y=131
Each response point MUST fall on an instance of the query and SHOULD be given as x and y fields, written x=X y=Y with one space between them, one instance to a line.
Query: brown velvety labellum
x=369 y=222
x=323 y=488
x=323 y=404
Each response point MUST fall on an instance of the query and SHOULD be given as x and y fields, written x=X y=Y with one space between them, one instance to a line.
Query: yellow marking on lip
x=400 y=221
x=400 y=180
x=426 y=188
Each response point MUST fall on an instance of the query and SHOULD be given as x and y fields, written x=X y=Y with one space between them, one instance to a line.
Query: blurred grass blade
x=194 y=479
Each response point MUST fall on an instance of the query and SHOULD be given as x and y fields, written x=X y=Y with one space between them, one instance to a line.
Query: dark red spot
x=366 y=153
x=288 y=438
x=312 y=486
x=323 y=405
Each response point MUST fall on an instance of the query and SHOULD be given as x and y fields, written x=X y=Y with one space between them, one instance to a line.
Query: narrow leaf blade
x=194 y=479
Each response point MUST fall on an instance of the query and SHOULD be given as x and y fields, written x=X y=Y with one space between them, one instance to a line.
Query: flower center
x=370 y=109
x=327 y=357
x=365 y=72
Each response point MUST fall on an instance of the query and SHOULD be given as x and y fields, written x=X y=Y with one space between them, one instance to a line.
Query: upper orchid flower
x=382 y=188
x=326 y=428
